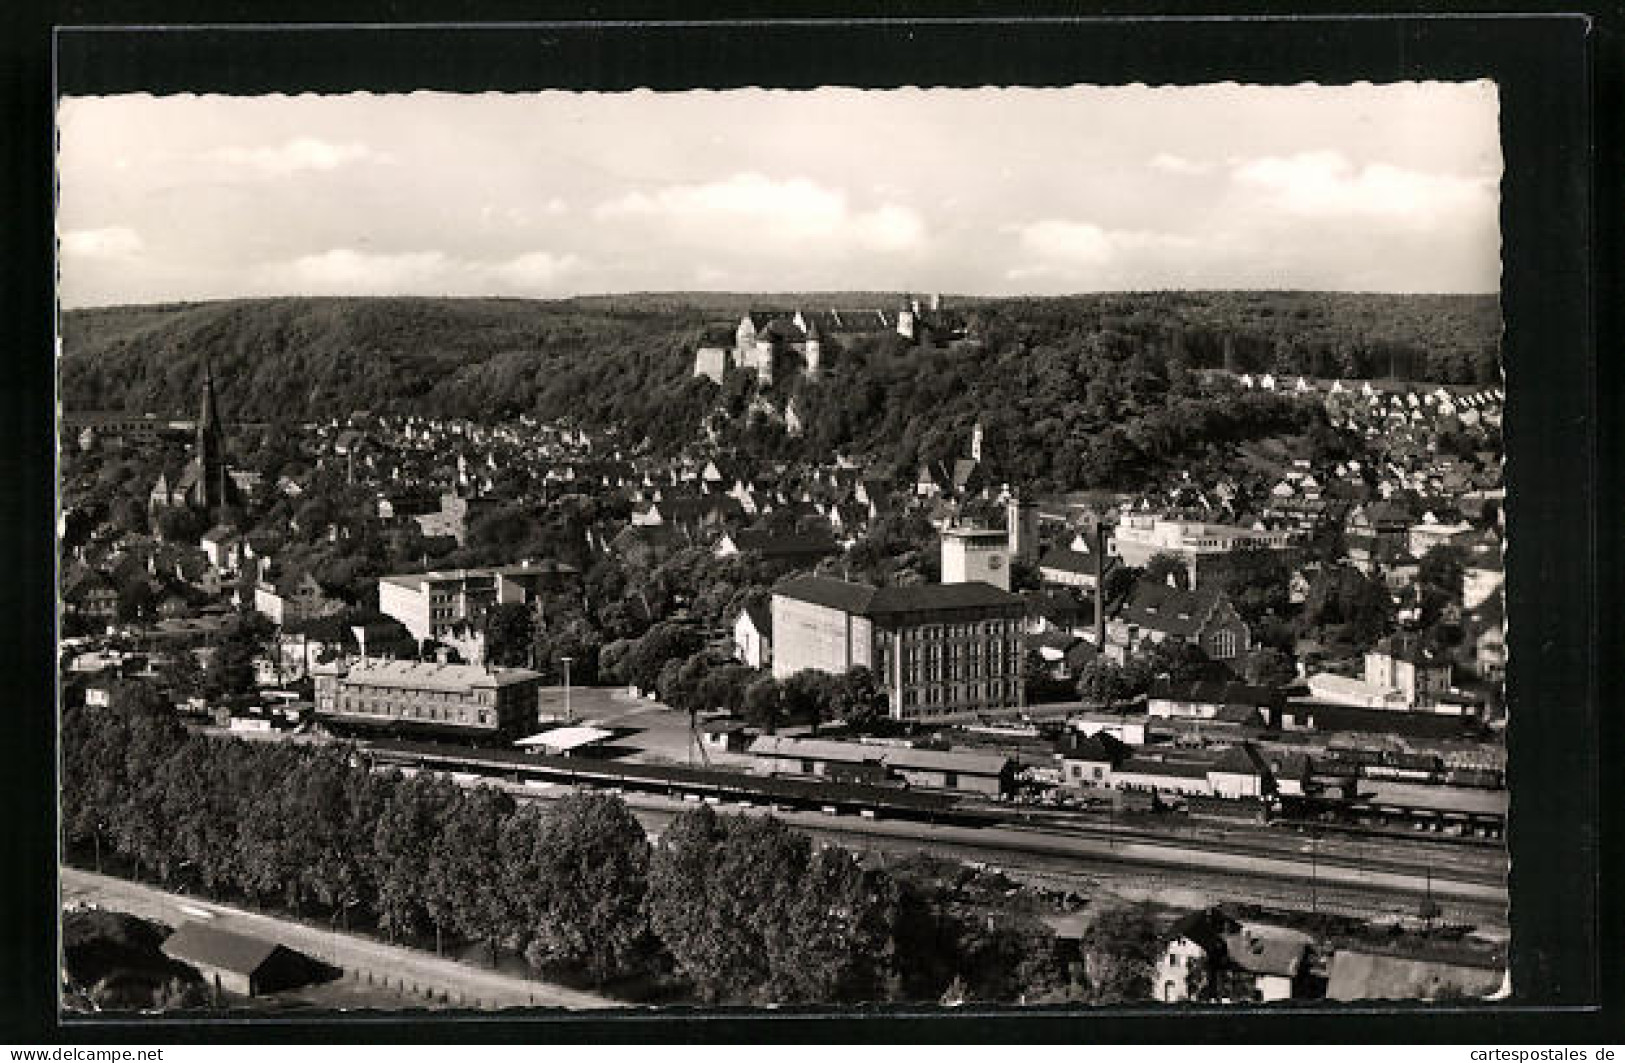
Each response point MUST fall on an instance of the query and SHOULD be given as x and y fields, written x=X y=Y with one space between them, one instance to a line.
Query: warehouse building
x=965 y=771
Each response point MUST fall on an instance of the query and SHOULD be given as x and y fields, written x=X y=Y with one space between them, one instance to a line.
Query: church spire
x=209 y=417
x=211 y=455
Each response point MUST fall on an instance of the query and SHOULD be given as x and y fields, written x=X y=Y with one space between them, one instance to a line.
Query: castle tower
x=211 y=450
x=764 y=361
x=814 y=349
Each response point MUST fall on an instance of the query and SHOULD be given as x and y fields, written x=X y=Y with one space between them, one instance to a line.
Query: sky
x=1390 y=188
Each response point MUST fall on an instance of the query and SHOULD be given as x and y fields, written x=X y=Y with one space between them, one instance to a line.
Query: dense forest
x=1072 y=391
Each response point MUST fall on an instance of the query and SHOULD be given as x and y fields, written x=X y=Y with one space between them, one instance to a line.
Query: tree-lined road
x=462 y=983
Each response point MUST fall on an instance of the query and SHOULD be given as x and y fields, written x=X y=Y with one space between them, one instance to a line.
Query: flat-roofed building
x=966 y=771
x=432 y=604
x=413 y=696
x=972 y=555
x=938 y=650
x=1141 y=536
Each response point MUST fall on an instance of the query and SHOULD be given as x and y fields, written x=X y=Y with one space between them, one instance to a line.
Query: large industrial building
x=939 y=651
x=455 y=700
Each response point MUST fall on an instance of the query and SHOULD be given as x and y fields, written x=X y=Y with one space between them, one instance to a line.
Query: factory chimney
x=1100 y=586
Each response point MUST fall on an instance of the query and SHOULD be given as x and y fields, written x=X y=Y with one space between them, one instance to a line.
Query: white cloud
x=793 y=209
x=1326 y=182
x=342 y=271
x=298 y=155
x=1070 y=241
x=1077 y=243
x=534 y=270
x=345 y=271
x=1179 y=164
x=891 y=228
x=115 y=241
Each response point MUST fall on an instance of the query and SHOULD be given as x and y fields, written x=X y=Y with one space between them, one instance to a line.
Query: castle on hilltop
x=763 y=337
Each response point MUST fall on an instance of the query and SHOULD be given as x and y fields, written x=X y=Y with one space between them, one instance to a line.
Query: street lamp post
x=569 y=716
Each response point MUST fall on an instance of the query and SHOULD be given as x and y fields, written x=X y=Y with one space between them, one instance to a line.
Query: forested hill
x=311 y=358
x=628 y=359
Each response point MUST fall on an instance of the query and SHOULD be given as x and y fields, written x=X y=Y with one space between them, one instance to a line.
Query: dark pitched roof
x=1065 y=559
x=761 y=617
x=935 y=596
x=762 y=318
x=856 y=321
x=719 y=335
x=1195 y=767
x=1169 y=609
x=200 y=943
x=834 y=593
x=965 y=473
x=86 y=582
x=1096 y=747
x=1209 y=692
x=1267 y=950
x=1059 y=605
x=862 y=599
x=1241 y=760
x=1207 y=928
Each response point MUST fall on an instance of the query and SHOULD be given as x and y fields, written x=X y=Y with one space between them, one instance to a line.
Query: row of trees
x=741 y=909
x=672 y=661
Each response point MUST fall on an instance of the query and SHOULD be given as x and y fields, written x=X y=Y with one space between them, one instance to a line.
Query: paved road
x=462 y=983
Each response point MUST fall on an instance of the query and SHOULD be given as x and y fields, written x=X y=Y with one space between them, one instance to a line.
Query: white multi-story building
x=976 y=555
x=1140 y=536
x=433 y=604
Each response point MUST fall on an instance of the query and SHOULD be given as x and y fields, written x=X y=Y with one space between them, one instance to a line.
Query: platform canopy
x=565 y=739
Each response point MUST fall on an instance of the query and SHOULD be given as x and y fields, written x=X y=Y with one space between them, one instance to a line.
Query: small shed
x=237 y=963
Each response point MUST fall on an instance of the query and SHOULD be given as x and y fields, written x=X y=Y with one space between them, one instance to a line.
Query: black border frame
x=1562 y=446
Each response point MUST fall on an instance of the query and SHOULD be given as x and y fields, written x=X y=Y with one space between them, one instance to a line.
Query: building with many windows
x=434 y=604
x=453 y=700
x=939 y=651
x=1140 y=536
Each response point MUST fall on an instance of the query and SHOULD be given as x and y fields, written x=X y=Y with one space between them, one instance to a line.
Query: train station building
x=426 y=698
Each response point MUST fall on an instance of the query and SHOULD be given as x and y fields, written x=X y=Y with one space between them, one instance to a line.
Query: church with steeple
x=204 y=485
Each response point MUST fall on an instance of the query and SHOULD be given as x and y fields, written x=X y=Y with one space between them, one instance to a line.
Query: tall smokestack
x=1100 y=586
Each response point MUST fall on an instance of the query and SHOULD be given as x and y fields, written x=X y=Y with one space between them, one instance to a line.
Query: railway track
x=1229 y=867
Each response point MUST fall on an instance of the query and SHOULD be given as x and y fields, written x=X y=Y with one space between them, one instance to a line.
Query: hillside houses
x=1155 y=613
